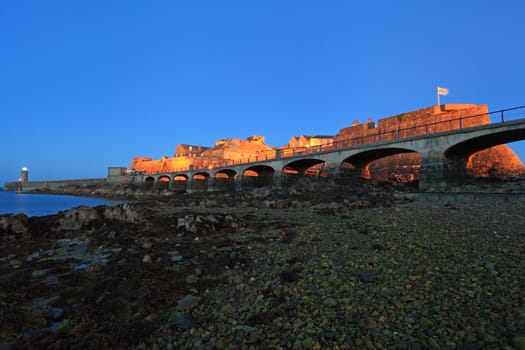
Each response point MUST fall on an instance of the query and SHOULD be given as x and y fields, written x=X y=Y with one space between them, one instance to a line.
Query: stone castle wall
x=427 y=120
x=495 y=162
x=499 y=161
x=226 y=150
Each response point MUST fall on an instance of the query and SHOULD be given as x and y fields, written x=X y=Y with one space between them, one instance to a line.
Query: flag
x=442 y=91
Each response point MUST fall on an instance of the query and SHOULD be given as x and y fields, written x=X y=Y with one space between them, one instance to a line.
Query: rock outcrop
x=14 y=223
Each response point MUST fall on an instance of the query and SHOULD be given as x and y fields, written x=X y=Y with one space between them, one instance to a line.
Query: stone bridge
x=444 y=157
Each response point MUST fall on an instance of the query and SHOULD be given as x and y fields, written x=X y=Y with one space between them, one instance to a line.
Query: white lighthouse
x=24 y=175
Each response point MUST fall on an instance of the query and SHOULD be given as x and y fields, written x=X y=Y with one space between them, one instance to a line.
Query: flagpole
x=439 y=104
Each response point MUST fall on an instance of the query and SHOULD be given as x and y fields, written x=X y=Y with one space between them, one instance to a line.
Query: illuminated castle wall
x=499 y=161
x=197 y=157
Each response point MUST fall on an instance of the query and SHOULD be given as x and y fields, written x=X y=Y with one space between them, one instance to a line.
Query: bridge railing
x=507 y=115
x=462 y=122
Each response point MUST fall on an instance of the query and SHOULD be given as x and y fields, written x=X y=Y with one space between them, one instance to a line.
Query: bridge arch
x=224 y=180
x=384 y=164
x=312 y=166
x=180 y=177
x=163 y=182
x=149 y=182
x=481 y=142
x=225 y=174
x=257 y=176
x=258 y=170
x=201 y=176
x=471 y=157
x=199 y=181
x=179 y=182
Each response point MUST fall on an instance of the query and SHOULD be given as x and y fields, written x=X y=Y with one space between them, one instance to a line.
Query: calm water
x=12 y=202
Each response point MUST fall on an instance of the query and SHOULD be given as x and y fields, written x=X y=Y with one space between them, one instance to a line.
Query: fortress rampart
x=499 y=161
x=437 y=118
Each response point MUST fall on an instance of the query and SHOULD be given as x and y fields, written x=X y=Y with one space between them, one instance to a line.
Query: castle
x=495 y=162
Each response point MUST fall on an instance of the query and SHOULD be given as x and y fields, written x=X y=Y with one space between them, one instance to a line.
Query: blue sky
x=89 y=84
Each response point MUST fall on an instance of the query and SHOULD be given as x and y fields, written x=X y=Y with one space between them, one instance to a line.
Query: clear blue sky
x=89 y=84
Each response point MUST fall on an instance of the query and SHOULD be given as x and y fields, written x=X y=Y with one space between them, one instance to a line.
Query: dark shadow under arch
x=258 y=176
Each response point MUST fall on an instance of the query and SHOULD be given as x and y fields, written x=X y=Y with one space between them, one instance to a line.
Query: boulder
x=208 y=224
x=76 y=218
x=123 y=213
x=14 y=223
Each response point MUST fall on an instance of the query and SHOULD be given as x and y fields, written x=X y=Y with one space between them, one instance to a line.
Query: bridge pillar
x=439 y=174
x=189 y=184
x=238 y=182
x=211 y=183
x=277 y=178
x=333 y=171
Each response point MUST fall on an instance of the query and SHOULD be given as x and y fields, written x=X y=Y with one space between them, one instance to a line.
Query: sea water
x=12 y=202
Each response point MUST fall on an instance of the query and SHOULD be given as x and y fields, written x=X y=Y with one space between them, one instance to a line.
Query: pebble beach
x=262 y=272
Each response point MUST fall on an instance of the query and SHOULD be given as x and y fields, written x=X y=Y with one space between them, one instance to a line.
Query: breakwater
x=52 y=185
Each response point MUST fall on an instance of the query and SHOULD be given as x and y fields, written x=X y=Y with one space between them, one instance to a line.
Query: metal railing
x=495 y=117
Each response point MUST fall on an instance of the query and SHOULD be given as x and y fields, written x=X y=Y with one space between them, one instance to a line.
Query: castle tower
x=24 y=175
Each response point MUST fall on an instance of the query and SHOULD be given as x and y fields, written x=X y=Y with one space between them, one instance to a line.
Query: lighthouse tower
x=24 y=175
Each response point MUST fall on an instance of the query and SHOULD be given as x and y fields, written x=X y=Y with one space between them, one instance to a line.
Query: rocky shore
x=320 y=267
